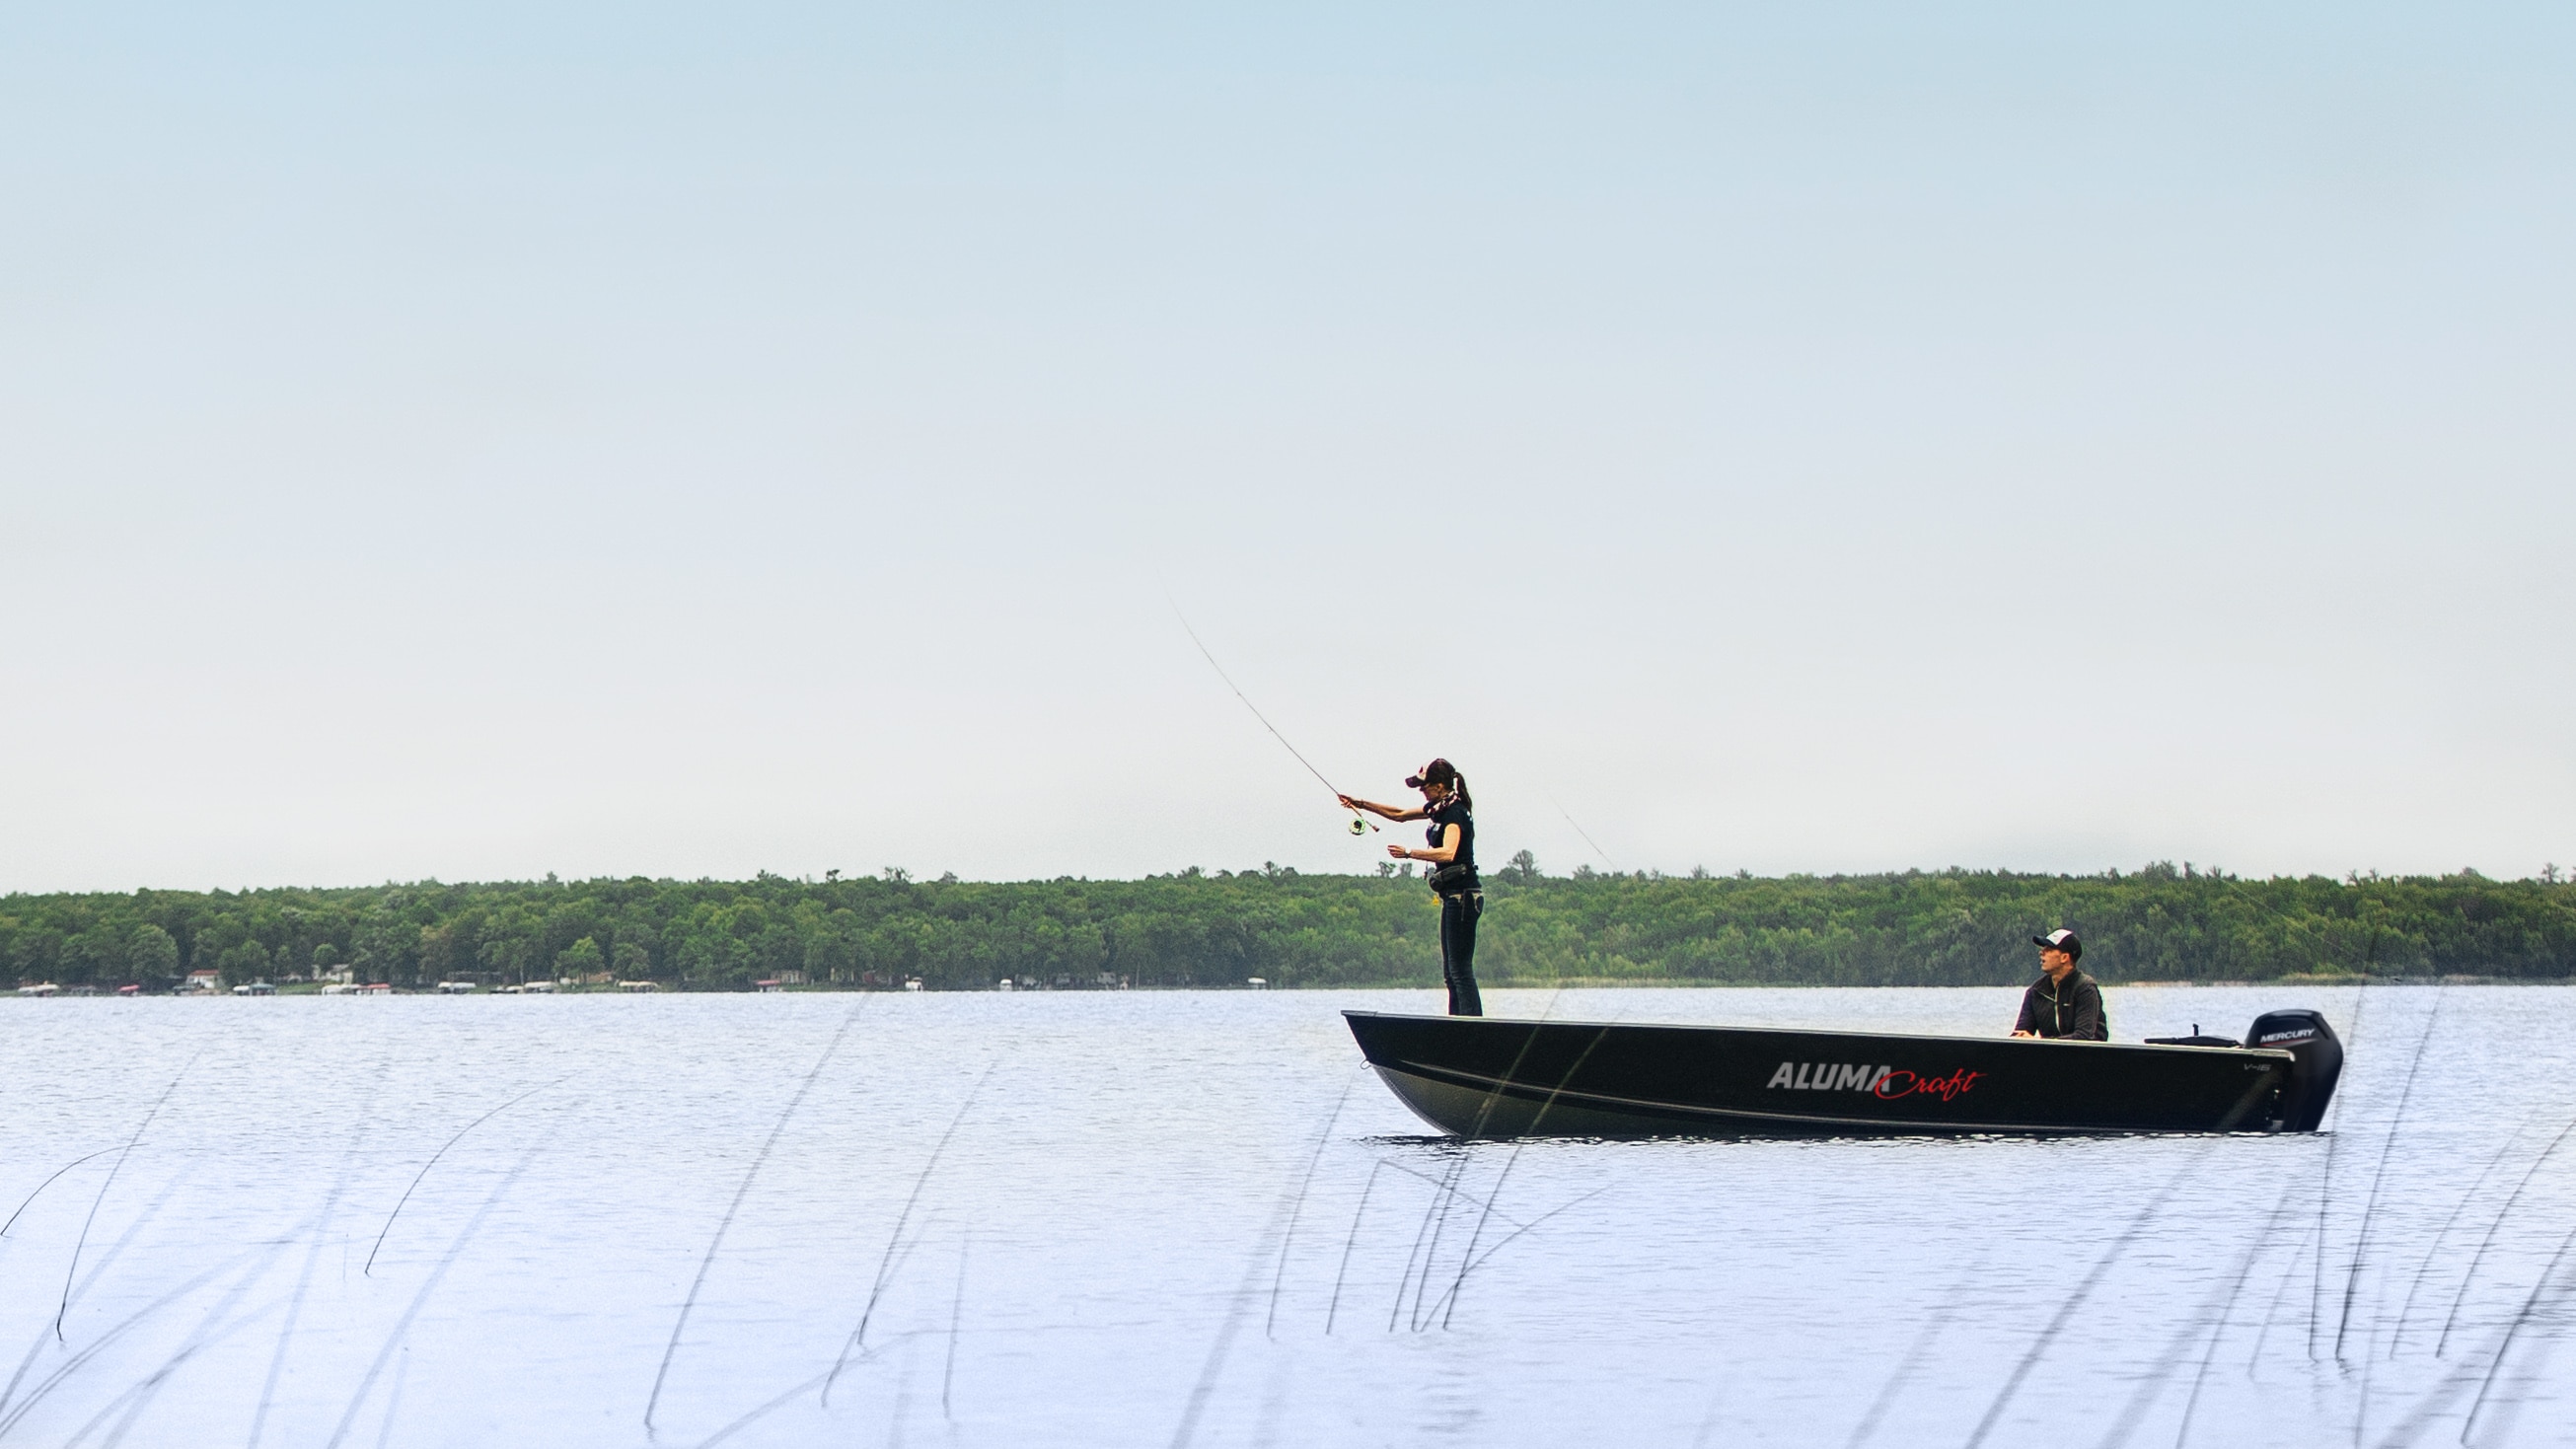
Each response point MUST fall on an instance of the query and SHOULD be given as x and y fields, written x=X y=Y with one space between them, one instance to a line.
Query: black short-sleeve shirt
x=1455 y=813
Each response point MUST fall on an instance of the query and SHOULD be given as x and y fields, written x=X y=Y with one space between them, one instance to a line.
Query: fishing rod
x=1359 y=824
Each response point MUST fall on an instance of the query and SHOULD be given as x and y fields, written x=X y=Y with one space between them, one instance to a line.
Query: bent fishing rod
x=1360 y=824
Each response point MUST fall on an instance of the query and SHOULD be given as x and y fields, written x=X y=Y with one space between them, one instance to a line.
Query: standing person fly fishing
x=1452 y=856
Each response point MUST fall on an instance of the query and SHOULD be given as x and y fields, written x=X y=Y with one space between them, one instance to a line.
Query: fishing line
x=1358 y=821
x=1579 y=830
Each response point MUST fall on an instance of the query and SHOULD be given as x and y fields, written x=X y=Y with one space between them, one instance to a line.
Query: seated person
x=2063 y=1002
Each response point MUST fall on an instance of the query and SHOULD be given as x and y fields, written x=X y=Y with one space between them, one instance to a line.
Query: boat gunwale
x=2017 y=1041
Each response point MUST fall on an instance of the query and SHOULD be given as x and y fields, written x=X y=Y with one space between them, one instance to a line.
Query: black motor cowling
x=2306 y=1036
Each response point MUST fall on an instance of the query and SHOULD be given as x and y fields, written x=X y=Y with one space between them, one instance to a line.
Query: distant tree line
x=1918 y=928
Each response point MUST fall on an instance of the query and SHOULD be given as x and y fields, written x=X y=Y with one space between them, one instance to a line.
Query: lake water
x=1191 y=1218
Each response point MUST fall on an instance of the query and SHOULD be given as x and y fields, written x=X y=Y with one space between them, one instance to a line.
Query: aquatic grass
x=2325 y=1189
x=138 y=1397
x=1334 y=1307
x=1205 y=1387
x=369 y=1270
x=64 y=1306
x=18 y=1408
x=2442 y=1344
x=2227 y=1294
x=799 y=1390
x=1444 y=1187
x=2280 y=1293
x=1507 y=1239
x=742 y=1190
x=956 y=1321
x=48 y=1182
x=107 y=1260
x=402 y=1326
x=2387 y=1146
x=1442 y=1192
x=313 y=1255
x=1282 y=1219
x=1466 y=1260
x=1435 y=1217
x=1323 y=1138
x=2504 y=1346
x=887 y=1264
x=393 y=1400
x=2083 y=1292
x=2406 y=1310
x=1934 y=1329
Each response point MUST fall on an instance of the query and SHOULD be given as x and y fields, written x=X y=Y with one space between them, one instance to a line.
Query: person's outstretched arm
x=1352 y=802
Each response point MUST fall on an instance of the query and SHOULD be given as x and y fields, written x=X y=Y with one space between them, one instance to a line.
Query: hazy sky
x=476 y=440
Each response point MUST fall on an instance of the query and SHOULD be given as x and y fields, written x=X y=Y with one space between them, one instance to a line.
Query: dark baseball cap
x=2061 y=939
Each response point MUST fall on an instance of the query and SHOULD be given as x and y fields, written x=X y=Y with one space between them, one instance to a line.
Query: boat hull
x=1485 y=1077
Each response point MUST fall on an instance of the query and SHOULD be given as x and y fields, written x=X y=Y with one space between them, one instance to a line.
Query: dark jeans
x=1458 y=915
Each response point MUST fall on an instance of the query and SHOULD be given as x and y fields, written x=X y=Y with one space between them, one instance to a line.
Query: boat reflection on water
x=1489 y=1077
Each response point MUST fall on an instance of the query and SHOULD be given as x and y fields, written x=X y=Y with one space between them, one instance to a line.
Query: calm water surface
x=1190 y=1218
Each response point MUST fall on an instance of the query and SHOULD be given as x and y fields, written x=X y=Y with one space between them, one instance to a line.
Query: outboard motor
x=2304 y=1035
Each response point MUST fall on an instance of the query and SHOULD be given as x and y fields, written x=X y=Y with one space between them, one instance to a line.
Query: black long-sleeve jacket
x=2071 y=1008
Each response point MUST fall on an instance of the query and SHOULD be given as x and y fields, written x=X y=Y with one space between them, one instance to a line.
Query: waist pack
x=1449 y=879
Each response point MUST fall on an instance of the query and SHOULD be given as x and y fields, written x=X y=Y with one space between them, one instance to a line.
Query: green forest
x=1203 y=928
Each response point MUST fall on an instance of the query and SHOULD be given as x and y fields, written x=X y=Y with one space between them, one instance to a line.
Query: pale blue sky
x=479 y=441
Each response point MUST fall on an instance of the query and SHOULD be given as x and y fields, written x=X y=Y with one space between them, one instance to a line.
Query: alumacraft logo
x=1887 y=1082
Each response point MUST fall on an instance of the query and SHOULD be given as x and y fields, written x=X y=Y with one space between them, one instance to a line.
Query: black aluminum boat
x=1489 y=1077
